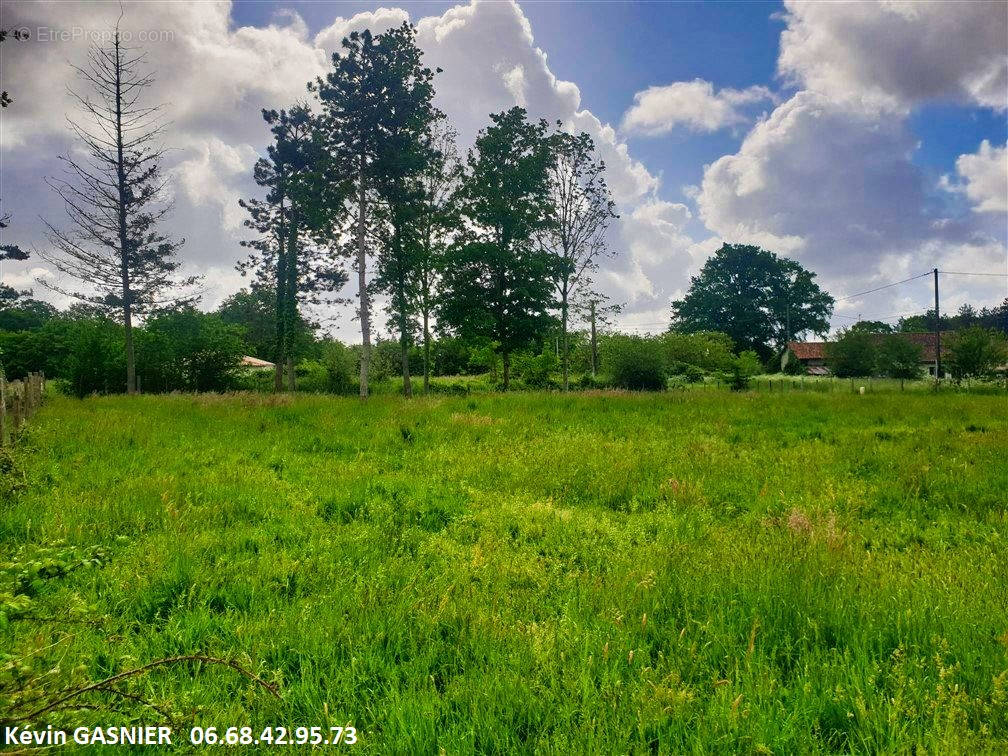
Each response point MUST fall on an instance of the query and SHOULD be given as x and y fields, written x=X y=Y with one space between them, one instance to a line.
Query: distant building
x=812 y=354
x=254 y=363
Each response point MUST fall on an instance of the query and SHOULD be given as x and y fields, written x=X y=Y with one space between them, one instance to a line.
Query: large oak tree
x=759 y=299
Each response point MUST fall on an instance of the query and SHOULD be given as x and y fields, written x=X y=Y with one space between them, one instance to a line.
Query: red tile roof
x=808 y=350
x=816 y=350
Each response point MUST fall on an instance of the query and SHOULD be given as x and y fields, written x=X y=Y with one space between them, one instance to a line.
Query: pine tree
x=376 y=102
x=114 y=198
x=294 y=254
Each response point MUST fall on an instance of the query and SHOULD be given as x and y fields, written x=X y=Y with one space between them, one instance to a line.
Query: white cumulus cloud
x=693 y=104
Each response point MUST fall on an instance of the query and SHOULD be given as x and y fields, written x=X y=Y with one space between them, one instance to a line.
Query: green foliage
x=791 y=365
x=898 y=358
x=975 y=353
x=95 y=360
x=255 y=311
x=188 y=350
x=852 y=355
x=488 y=563
x=706 y=350
x=872 y=326
x=496 y=282
x=341 y=364
x=633 y=362
x=536 y=370
x=25 y=314
x=742 y=369
x=751 y=295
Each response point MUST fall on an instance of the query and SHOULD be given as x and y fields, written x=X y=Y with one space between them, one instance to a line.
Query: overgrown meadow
x=705 y=571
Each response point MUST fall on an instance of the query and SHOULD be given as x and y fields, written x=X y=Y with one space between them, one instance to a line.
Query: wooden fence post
x=16 y=405
x=3 y=409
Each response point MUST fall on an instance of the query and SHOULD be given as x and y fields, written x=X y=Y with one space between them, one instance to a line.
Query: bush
x=742 y=369
x=342 y=368
x=188 y=350
x=95 y=362
x=535 y=369
x=707 y=350
x=976 y=353
x=852 y=355
x=634 y=362
x=686 y=373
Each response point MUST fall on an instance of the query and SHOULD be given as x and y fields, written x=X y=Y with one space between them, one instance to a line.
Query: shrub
x=852 y=355
x=706 y=350
x=635 y=363
x=342 y=368
x=976 y=352
x=742 y=369
x=686 y=373
x=535 y=369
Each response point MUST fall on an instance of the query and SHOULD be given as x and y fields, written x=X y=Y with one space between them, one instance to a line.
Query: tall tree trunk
x=426 y=350
x=365 y=315
x=403 y=320
x=280 y=354
x=566 y=352
x=404 y=344
x=127 y=295
x=594 y=343
x=507 y=369
x=290 y=293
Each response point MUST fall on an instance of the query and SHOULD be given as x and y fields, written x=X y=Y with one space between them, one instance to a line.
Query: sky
x=865 y=140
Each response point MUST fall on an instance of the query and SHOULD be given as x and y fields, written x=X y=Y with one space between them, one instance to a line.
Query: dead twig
x=107 y=682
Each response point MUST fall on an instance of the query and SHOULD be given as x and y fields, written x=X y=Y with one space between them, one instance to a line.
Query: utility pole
x=937 y=331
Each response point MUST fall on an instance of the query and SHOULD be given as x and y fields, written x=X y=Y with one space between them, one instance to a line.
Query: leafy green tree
x=742 y=369
x=376 y=103
x=899 y=358
x=872 y=326
x=254 y=311
x=975 y=353
x=22 y=313
x=709 y=351
x=436 y=221
x=341 y=367
x=759 y=299
x=496 y=285
x=112 y=196
x=582 y=209
x=197 y=351
x=852 y=355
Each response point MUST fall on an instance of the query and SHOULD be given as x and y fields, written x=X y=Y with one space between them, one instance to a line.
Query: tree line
x=494 y=249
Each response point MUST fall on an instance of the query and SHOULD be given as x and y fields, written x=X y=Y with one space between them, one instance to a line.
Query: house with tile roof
x=812 y=354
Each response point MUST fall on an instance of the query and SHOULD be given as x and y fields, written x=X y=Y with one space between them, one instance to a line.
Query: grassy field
x=699 y=571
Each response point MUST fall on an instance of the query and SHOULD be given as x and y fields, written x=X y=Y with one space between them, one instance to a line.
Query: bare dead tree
x=437 y=220
x=113 y=194
x=582 y=210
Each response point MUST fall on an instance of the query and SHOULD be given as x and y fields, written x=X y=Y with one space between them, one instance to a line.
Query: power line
x=956 y=273
x=887 y=286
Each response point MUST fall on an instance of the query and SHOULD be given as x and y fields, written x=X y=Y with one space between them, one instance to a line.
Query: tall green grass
x=694 y=571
